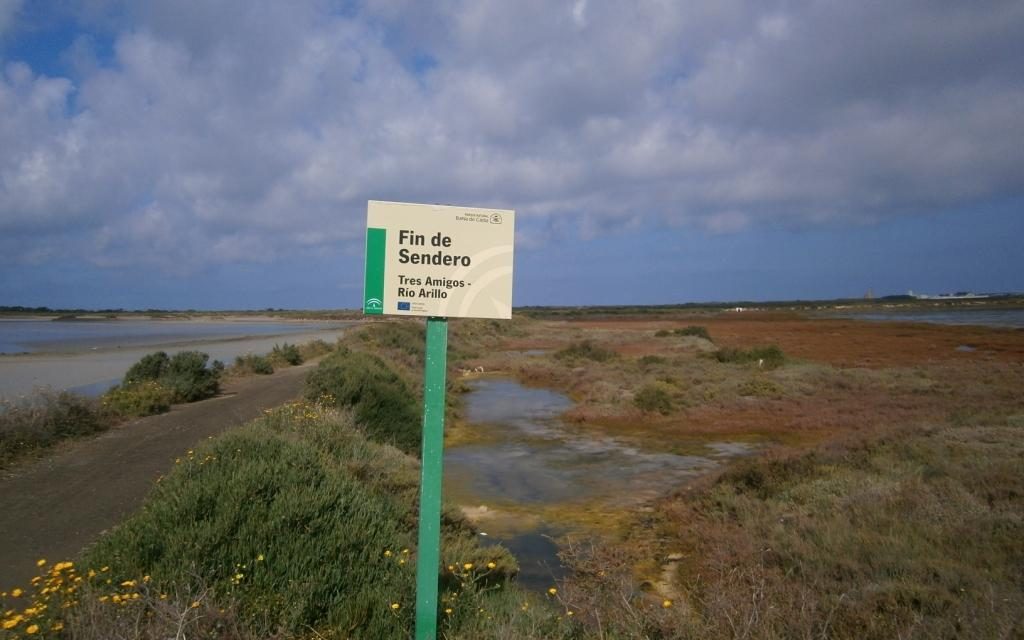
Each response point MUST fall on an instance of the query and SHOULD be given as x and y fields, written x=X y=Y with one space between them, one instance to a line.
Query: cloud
x=234 y=132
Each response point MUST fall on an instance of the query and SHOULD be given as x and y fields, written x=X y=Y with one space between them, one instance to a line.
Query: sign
x=438 y=261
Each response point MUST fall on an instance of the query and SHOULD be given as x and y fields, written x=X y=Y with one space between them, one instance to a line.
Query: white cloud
x=233 y=132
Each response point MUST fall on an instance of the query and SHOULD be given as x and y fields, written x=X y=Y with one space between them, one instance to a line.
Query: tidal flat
x=89 y=356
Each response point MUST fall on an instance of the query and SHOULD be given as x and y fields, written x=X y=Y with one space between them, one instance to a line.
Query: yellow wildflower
x=395 y=606
x=448 y=611
x=12 y=622
x=491 y=565
x=387 y=554
x=40 y=562
x=57 y=626
x=552 y=591
x=259 y=558
x=467 y=566
x=665 y=604
x=16 y=592
x=32 y=628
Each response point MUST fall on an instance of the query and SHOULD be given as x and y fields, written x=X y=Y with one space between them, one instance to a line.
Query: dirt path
x=54 y=507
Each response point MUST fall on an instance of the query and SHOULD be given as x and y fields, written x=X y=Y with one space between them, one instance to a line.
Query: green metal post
x=429 y=550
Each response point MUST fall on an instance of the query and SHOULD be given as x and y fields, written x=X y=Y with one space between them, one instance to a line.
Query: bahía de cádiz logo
x=495 y=218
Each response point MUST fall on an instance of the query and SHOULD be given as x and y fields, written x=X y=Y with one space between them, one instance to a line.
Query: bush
x=653 y=397
x=384 y=405
x=768 y=357
x=647 y=361
x=252 y=363
x=150 y=367
x=140 y=399
x=585 y=350
x=45 y=418
x=694 y=330
x=286 y=354
x=185 y=374
x=300 y=522
x=189 y=378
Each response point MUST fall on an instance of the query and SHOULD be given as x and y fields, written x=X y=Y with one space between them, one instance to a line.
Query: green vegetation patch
x=693 y=330
x=185 y=374
x=383 y=404
x=251 y=363
x=288 y=354
x=654 y=398
x=585 y=350
x=300 y=525
x=769 y=357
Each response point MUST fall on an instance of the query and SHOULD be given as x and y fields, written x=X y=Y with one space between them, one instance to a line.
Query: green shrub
x=694 y=330
x=140 y=399
x=189 y=378
x=585 y=350
x=286 y=354
x=768 y=357
x=303 y=524
x=647 y=361
x=150 y=367
x=384 y=405
x=653 y=397
x=185 y=374
x=46 y=417
x=252 y=363
x=662 y=333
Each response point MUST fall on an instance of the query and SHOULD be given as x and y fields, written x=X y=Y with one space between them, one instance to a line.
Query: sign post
x=431 y=474
x=439 y=262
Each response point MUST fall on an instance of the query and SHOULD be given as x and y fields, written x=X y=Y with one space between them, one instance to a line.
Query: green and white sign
x=439 y=261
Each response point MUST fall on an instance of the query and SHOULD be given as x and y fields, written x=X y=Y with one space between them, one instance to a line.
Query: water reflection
x=527 y=458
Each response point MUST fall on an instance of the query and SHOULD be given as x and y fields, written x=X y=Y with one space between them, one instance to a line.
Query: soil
x=52 y=508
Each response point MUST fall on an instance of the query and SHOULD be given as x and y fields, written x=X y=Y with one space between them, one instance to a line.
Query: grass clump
x=694 y=330
x=769 y=357
x=653 y=398
x=585 y=350
x=288 y=354
x=383 y=404
x=251 y=363
x=41 y=420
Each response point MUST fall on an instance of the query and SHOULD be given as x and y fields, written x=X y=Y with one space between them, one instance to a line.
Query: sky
x=219 y=154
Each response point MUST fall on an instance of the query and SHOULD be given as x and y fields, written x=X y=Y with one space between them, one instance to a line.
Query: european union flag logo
x=403 y=306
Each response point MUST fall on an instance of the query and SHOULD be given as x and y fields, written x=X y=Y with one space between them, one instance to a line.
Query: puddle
x=528 y=462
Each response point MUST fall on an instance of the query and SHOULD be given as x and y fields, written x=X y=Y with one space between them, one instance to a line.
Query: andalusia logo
x=374 y=304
